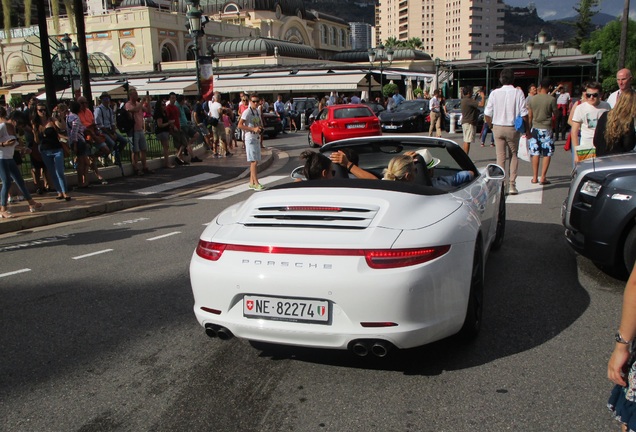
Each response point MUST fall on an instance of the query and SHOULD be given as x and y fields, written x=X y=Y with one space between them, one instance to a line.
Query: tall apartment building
x=361 y=35
x=449 y=29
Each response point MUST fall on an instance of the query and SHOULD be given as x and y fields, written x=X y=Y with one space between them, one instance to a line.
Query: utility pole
x=47 y=62
x=622 y=51
x=78 y=10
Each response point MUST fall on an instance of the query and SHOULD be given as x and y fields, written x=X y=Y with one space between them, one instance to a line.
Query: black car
x=303 y=107
x=411 y=115
x=453 y=107
x=272 y=124
x=375 y=107
x=599 y=213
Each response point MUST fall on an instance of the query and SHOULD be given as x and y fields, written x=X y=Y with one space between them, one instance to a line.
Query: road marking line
x=175 y=184
x=15 y=272
x=240 y=188
x=92 y=254
x=529 y=193
x=163 y=236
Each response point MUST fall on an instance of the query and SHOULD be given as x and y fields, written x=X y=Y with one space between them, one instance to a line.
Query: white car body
x=314 y=245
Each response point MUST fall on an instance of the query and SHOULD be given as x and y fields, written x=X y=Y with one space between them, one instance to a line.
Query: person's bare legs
x=544 y=171
x=253 y=173
x=535 y=169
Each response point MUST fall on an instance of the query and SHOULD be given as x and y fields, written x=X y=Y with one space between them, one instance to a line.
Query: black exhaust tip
x=224 y=334
x=210 y=330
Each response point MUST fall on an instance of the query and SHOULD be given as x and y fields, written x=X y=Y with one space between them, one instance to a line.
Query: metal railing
x=155 y=151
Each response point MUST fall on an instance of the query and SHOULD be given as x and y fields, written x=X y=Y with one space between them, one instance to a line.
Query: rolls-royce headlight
x=590 y=188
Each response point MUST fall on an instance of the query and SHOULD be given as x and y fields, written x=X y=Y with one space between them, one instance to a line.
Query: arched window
x=166 y=53
x=190 y=54
x=342 y=41
x=332 y=36
x=323 y=34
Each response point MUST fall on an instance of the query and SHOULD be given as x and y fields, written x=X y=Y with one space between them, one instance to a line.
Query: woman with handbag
x=9 y=171
x=53 y=156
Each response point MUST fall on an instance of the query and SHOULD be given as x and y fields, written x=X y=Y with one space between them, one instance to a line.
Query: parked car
x=363 y=265
x=453 y=106
x=272 y=124
x=408 y=116
x=375 y=107
x=303 y=107
x=599 y=213
x=338 y=122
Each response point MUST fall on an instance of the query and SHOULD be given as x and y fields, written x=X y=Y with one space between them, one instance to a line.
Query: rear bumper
x=427 y=302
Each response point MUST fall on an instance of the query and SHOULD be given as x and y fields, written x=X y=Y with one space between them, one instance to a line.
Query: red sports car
x=338 y=122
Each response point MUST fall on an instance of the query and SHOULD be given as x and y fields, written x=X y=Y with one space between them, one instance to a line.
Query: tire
x=420 y=125
x=629 y=251
x=311 y=142
x=472 y=322
x=501 y=223
x=272 y=135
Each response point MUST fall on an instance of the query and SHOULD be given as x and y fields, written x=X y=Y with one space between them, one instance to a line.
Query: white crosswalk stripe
x=529 y=193
x=175 y=184
x=240 y=188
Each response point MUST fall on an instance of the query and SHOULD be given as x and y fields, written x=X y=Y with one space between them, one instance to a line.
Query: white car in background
x=363 y=265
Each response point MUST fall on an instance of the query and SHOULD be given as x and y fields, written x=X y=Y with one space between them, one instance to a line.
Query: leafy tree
x=392 y=42
x=389 y=89
x=414 y=43
x=583 y=24
x=607 y=40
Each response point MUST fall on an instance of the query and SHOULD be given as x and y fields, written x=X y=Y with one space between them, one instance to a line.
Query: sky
x=550 y=9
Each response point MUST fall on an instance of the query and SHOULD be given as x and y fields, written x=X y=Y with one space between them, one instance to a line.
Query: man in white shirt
x=435 y=115
x=504 y=105
x=251 y=124
x=218 y=130
x=584 y=119
x=624 y=81
x=563 y=100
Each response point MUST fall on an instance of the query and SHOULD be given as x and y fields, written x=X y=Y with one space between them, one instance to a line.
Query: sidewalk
x=131 y=190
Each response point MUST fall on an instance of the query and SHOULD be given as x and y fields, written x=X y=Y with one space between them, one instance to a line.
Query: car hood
x=398 y=116
x=324 y=216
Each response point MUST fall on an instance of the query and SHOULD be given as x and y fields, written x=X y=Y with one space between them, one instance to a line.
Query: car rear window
x=342 y=113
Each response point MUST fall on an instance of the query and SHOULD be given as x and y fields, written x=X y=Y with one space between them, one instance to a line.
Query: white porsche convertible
x=357 y=264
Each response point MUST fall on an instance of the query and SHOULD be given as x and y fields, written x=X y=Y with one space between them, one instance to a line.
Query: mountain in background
x=348 y=10
x=520 y=23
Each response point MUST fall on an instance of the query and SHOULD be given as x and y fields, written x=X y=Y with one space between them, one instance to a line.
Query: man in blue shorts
x=541 y=107
x=250 y=123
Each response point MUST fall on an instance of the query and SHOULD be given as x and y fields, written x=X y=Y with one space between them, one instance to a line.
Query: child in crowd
x=229 y=134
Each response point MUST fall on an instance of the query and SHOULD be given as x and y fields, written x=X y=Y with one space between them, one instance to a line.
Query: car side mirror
x=495 y=172
x=297 y=174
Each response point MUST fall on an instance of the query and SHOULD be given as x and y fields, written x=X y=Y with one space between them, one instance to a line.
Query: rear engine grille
x=312 y=216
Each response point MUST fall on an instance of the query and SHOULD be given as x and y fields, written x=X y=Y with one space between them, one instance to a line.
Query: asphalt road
x=100 y=336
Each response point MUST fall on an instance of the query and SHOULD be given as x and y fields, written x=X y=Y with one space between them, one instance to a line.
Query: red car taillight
x=209 y=250
x=376 y=259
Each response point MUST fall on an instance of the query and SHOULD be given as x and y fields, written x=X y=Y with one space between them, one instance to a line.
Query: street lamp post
x=70 y=53
x=552 y=46
x=194 y=18
x=437 y=65
x=488 y=65
x=379 y=53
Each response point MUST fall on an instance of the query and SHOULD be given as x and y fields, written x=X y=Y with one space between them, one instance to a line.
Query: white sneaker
x=512 y=189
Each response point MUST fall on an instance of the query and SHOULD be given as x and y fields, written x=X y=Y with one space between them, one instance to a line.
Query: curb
x=42 y=219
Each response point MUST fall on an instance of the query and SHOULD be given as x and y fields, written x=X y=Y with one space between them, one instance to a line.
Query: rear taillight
x=390 y=258
x=376 y=259
x=209 y=250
